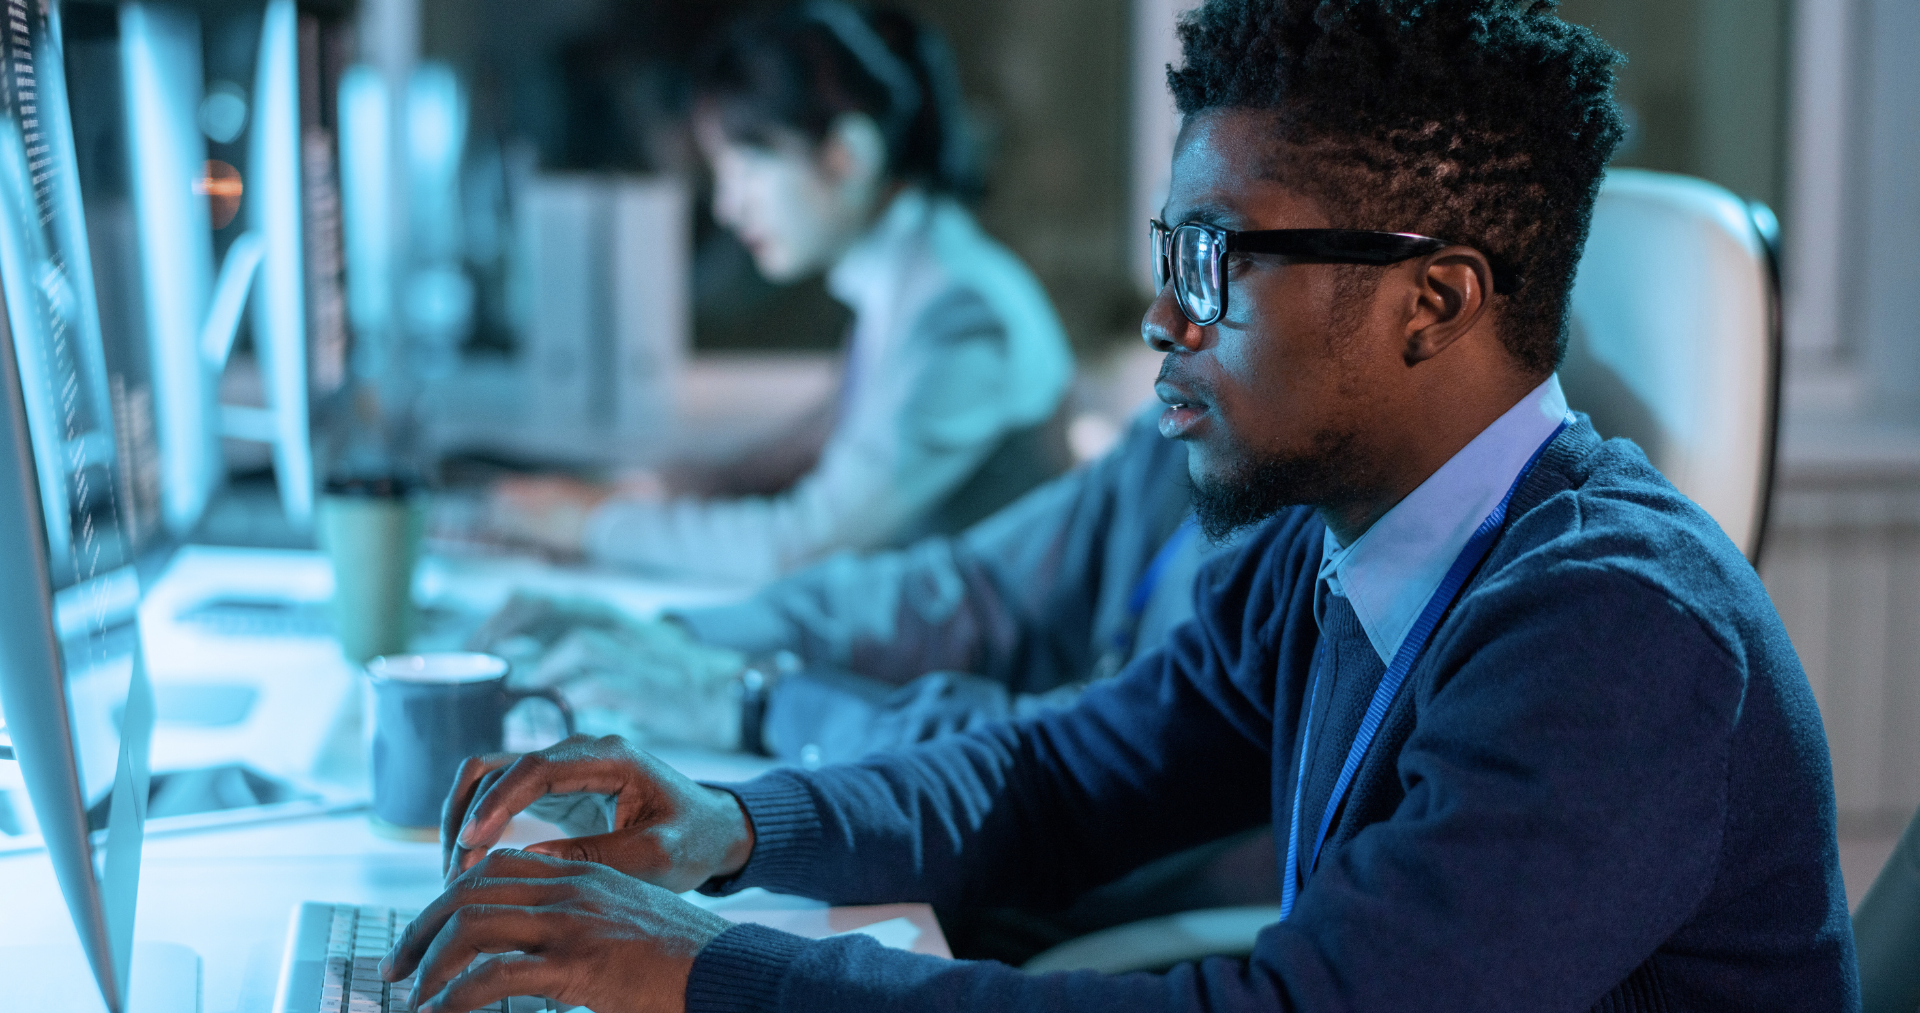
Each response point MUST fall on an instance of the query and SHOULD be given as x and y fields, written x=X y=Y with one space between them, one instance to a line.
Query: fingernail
x=386 y=964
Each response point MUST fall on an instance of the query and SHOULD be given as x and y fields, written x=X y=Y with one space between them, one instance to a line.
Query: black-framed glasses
x=1194 y=257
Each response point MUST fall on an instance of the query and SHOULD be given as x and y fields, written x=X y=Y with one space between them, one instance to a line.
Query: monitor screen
x=90 y=419
x=89 y=423
x=74 y=443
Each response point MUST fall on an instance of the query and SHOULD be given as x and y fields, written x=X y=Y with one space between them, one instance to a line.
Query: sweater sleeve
x=946 y=409
x=1170 y=754
x=1013 y=599
x=1565 y=797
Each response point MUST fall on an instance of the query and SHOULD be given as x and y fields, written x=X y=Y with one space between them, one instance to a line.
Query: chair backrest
x=1675 y=339
x=1886 y=931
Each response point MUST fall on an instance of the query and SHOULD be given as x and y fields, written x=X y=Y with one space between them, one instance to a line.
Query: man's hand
x=573 y=931
x=658 y=826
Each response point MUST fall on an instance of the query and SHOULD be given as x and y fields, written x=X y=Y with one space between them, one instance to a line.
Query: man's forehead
x=1224 y=173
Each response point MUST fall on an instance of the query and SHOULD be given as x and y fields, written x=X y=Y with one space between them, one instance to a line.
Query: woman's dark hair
x=800 y=67
x=1485 y=122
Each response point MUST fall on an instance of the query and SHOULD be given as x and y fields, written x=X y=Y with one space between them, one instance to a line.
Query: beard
x=1256 y=489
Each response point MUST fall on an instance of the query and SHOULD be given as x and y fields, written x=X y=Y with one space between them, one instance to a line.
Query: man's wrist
x=740 y=838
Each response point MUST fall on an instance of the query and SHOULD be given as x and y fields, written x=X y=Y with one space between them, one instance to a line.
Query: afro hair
x=1485 y=122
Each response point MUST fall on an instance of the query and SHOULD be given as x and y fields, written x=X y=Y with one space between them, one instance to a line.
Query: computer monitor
x=193 y=311
x=77 y=709
x=74 y=700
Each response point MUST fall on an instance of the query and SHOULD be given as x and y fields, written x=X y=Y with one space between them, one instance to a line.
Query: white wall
x=1843 y=557
x=1155 y=122
x=1852 y=256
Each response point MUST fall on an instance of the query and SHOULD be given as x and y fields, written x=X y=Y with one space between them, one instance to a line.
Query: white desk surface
x=299 y=676
x=229 y=894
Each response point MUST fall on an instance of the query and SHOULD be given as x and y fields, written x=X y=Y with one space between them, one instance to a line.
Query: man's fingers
x=493 y=980
x=474 y=930
x=460 y=858
x=505 y=878
x=453 y=813
x=623 y=850
x=555 y=771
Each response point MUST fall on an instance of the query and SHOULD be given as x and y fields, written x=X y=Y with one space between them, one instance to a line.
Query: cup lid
x=373 y=485
x=441 y=667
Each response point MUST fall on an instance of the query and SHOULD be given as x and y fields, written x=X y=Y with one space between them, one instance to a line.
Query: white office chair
x=1676 y=339
x=1676 y=345
x=1886 y=931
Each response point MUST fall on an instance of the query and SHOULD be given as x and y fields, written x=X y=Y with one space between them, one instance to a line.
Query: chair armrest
x=1156 y=944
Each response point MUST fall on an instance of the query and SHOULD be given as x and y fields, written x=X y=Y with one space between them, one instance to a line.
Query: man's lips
x=1184 y=412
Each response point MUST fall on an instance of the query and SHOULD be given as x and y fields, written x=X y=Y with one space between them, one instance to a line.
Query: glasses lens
x=1196 y=272
x=1159 y=234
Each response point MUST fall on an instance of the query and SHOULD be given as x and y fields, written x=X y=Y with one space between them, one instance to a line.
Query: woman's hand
x=659 y=826
x=550 y=511
x=577 y=932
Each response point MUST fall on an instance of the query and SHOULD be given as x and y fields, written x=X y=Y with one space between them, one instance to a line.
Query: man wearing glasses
x=1528 y=732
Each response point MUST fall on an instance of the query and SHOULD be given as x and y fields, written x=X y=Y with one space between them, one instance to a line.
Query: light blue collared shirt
x=1390 y=571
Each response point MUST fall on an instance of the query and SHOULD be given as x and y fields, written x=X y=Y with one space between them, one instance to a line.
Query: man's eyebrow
x=1210 y=213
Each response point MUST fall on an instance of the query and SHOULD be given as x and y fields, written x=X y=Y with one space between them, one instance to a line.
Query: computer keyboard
x=259 y=617
x=333 y=964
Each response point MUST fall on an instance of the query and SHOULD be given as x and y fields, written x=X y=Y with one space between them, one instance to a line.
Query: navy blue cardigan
x=1604 y=786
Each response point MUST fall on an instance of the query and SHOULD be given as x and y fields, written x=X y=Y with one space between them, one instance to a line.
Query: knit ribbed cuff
x=740 y=970
x=786 y=834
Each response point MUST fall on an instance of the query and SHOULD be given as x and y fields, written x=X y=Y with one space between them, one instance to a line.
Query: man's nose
x=1165 y=328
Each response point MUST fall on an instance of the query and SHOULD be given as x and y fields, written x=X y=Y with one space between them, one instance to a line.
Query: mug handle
x=551 y=696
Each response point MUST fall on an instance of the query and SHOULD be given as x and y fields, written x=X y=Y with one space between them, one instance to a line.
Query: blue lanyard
x=1383 y=694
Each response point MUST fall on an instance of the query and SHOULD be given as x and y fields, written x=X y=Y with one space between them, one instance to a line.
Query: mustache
x=1194 y=388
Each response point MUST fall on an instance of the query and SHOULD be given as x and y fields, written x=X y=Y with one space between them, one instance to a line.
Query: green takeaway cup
x=371 y=528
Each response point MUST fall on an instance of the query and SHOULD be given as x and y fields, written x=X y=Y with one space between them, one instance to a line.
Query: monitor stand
x=166 y=979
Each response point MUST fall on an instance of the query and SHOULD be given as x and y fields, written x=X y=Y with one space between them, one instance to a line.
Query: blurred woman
x=836 y=141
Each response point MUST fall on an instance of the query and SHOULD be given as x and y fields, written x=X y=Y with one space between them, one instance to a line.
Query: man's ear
x=1453 y=288
x=854 y=153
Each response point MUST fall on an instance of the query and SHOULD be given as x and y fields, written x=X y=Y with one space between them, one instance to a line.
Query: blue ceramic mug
x=431 y=712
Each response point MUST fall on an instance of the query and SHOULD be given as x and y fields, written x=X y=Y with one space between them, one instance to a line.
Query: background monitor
x=193 y=310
